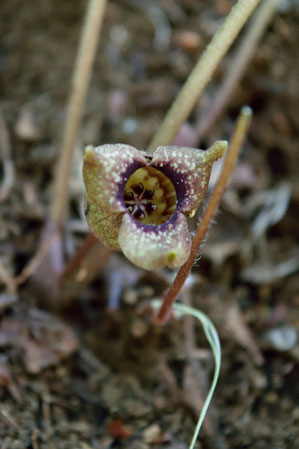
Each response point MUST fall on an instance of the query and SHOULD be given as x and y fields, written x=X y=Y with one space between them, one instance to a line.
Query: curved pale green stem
x=209 y=329
x=202 y=73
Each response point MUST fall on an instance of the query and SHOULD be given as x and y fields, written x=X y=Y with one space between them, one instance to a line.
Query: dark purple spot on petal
x=148 y=156
x=148 y=194
x=128 y=195
x=138 y=188
x=139 y=215
x=150 y=207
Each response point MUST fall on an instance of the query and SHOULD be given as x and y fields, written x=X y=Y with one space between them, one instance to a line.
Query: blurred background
x=81 y=364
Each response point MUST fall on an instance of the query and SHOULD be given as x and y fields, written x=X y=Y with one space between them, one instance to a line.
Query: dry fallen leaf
x=43 y=338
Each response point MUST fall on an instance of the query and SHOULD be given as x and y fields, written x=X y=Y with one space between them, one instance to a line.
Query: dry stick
x=202 y=73
x=35 y=262
x=80 y=255
x=5 y=156
x=237 y=65
x=81 y=77
x=84 y=273
x=231 y=157
x=7 y=280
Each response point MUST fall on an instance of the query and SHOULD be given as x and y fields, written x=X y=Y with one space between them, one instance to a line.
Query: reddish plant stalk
x=79 y=256
x=230 y=160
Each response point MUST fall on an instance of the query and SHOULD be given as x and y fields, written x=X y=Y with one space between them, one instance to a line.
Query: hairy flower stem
x=81 y=77
x=237 y=65
x=202 y=73
x=230 y=160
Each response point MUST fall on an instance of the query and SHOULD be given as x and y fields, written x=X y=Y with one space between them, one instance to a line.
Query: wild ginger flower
x=137 y=202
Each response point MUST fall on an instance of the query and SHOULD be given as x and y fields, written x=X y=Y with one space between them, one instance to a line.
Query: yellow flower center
x=150 y=196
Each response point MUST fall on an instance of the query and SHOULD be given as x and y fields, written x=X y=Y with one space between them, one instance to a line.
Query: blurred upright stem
x=81 y=76
x=202 y=73
x=238 y=65
x=229 y=163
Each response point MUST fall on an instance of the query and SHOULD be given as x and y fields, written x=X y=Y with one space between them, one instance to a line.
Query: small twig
x=170 y=379
x=47 y=418
x=83 y=268
x=81 y=77
x=5 y=156
x=237 y=329
x=8 y=419
x=231 y=157
x=34 y=263
x=35 y=437
x=237 y=66
x=7 y=280
x=202 y=73
x=79 y=256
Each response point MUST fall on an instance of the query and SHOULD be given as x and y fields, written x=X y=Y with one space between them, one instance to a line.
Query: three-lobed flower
x=137 y=202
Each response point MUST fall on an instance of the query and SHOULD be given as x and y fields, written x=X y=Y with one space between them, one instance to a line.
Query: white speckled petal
x=105 y=172
x=154 y=247
x=189 y=170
